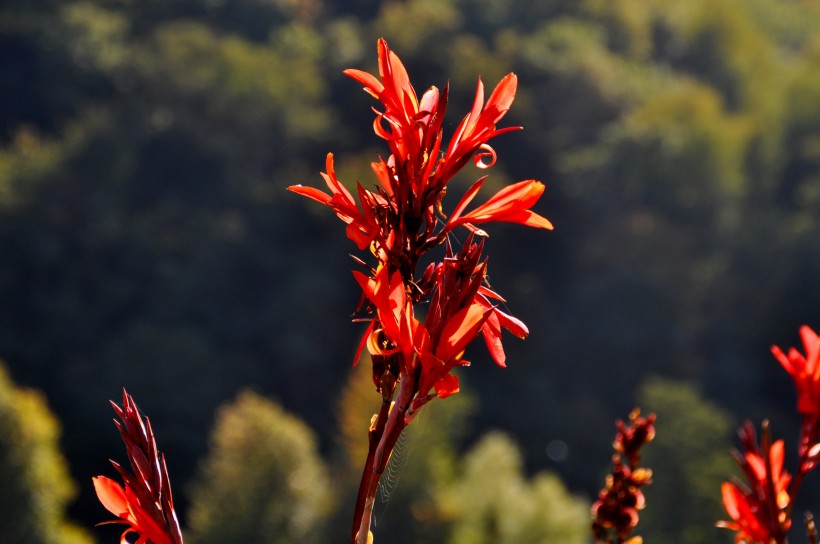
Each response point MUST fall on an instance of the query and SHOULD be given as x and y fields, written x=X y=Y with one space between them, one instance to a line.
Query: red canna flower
x=758 y=508
x=144 y=504
x=400 y=220
x=479 y=126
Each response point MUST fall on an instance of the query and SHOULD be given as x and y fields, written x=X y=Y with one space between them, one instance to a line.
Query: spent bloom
x=144 y=503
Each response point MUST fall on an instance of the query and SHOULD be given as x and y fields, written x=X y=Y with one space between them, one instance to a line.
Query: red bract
x=144 y=504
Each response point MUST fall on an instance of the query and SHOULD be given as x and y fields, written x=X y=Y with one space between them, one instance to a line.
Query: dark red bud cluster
x=631 y=438
x=616 y=512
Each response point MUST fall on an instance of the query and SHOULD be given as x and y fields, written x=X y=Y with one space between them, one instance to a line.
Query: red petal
x=371 y=83
x=510 y=204
x=503 y=95
x=492 y=337
x=363 y=342
x=731 y=498
x=466 y=199
x=460 y=330
x=112 y=496
x=527 y=218
x=512 y=324
x=757 y=465
x=310 y=192
x=446 y=386
x=478 y=104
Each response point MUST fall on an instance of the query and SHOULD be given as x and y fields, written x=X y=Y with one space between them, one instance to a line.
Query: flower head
x=401 y=220
x=144 y=504
x=758 y=507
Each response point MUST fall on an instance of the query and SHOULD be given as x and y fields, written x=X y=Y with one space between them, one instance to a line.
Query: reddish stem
x=365 y=485
x=389 y=425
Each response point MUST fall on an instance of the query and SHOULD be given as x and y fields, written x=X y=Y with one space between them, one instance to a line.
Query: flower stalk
x=400 y=221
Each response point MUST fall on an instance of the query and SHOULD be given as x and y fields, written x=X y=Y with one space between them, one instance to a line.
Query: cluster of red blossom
x=401 y=220
x=761 y=507
x=616 y=512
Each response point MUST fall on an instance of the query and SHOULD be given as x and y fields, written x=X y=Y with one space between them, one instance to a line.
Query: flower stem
x=375 y=434
x=384 y=433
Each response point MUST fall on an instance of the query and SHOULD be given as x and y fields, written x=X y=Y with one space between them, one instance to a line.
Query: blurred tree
x=36 y=486
x=262 y=481
x=491 y=501
x=689 y=458
x=44 y=82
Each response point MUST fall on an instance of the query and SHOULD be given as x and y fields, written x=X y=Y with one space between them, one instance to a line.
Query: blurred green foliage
x=492 y=501
x=34 y=477
x=262 y=480
x=148 y=241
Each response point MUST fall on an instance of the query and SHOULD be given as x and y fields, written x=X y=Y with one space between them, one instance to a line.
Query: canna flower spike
x=144 y=503
x=758 y=508
x=400 y=220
